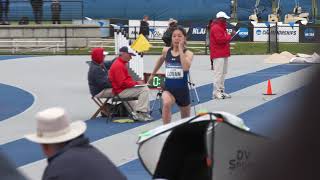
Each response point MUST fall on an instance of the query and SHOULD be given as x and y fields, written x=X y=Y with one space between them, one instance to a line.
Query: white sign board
x=102 y=23
x=157 y=28
x=286 y=33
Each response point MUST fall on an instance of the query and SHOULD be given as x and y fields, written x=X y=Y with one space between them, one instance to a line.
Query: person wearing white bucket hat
x=219 y=53
x=70 y=156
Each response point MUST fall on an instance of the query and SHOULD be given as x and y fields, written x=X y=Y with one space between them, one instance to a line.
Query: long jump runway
x=31 y=84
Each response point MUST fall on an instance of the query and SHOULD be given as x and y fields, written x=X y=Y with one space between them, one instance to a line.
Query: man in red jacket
x=219 y=54
x=125 y=86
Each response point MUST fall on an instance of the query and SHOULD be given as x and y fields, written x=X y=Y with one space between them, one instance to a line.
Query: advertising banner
x=102 y=23
x=286 y=32
x=310 y=34
x=244 y=32
x=197 y=32
x=157 y=28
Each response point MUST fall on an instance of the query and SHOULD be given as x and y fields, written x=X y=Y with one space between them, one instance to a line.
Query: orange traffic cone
x=269 y=89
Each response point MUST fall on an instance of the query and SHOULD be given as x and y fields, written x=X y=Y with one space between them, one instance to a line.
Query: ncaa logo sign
x=199 y=30
x=244 y=32
x=258 y=32
x=309 y=33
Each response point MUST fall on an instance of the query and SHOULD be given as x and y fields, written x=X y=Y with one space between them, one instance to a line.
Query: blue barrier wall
x=194 y=10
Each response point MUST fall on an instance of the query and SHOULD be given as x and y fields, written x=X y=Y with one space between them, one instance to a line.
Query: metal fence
x=79 y=39
x=273 y=44
x=304 y=40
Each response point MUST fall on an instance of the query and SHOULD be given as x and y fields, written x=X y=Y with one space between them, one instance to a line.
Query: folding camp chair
x=102 y=106
x=116 y=99
x=112 y=101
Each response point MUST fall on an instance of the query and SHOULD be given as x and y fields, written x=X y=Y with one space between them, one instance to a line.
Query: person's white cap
x=222 y=14
x=54 y=126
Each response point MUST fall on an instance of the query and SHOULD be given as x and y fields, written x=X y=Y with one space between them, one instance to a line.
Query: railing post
x=82 y=12
x=277 y=40
x=65 y=41
x=269 y=40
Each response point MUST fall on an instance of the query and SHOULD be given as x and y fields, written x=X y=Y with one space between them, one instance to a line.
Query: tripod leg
x=192 y=87
x=158 y=97
x=196 y=92
x=152 y=106
x=160 y=104
x=192 y=97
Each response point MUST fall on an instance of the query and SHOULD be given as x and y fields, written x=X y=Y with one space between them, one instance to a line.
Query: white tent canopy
x=173 y=149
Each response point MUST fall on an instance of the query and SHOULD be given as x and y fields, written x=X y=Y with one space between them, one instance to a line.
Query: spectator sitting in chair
x=99 y=84
x=124 y=86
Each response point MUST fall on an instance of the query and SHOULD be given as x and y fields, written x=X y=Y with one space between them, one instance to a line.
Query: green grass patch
x=245 y=48
x=294 y=48
x=239 y=48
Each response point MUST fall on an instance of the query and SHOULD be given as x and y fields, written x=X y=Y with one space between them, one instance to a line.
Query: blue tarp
x=188 y=10
x=182 y=9
x=156 y=9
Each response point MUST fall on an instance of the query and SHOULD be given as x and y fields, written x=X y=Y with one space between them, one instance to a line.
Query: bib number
x=174 y=73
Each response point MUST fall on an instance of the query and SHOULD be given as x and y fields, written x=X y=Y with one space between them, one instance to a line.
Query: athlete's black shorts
x=181 y=95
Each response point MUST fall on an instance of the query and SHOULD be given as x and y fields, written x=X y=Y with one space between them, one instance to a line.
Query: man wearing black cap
x=124 y=85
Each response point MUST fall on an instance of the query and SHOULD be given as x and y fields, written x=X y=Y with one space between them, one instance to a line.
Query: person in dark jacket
x=99 y=84
x=37 y=10
x=168 y=33
x=70 y=156
x=55 y=12
x=219 y=54
x=144 y=26
x=4 y=10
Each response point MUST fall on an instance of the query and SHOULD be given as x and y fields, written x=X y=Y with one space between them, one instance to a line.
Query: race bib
x=174 y=73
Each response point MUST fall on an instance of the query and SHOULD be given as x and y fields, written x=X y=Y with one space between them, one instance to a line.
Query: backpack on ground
x=24 y=21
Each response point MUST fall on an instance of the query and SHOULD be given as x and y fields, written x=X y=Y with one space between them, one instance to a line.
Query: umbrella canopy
x=192 y=148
